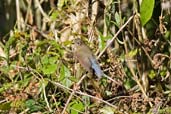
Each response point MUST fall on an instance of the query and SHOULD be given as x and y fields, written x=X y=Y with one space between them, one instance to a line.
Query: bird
x=86 y=58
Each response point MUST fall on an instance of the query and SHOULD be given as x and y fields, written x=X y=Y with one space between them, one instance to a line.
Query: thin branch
x=42 y=12
x=115 y=37
x=46 y=100
x=119 y=97
x=18 y=14
x=81 y=93
x=137 y=81
x=73 y=92
x=129 y=64
x=146 y=53
x=37 y=30
x=25 y=111
x=64 y=87
x=28 y=11
x=111 y=79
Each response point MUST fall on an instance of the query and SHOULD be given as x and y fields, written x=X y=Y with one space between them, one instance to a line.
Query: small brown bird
x=86 y=58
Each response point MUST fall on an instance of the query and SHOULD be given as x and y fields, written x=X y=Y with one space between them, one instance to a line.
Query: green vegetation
x=39 y=73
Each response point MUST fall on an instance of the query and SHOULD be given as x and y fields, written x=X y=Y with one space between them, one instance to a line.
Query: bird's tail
x=95 y=66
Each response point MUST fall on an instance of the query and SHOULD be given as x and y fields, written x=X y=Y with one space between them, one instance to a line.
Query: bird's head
x=77 y=42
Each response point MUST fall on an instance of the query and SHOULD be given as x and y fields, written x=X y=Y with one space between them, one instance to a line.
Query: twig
x=28 y=11
x=115 y=37
x=44 y=93
x=110 y=44
x=33 y=72
x=37 y=30
x=111 y=79
x=95 y=4
x=146 y=53
x=41 y=10
x=138 y=82
x=73 y=92
x=96 y=98
x=129 y=64
x=25 y=111
x=2 y=101
x=119 y=97
x=81 y=93
x=18 y=15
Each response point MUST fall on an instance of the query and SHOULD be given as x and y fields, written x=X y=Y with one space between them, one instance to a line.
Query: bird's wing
x=84 y=61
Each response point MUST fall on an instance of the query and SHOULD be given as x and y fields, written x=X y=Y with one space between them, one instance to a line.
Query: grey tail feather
x=96 y=68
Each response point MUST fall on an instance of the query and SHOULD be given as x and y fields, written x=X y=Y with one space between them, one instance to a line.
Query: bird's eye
x=78 y=41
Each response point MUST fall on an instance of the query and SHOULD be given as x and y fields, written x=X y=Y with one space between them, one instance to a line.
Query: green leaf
x=146 y=10
x=61 y=3
x=5 y=106
x=152 y=74
x=129 y=83
x=65 y=75
x=108 y=93
x=163 y=72
x=167 y=35
x=76 y=107
x=118 y=19
x=49 y=64
x=5 y=86
x=32 y=105
x=107 y=110
x=18 y=103
x=49 y=69
x=102 y=40
x=54 y=15
x=8 y=44
x=132 y=53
